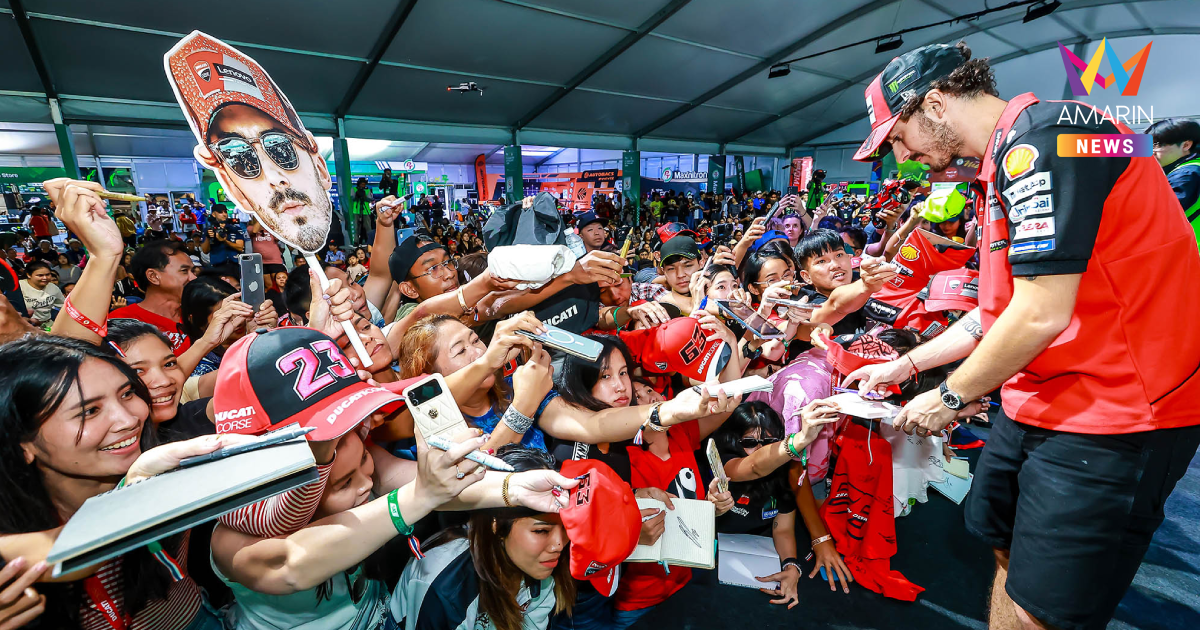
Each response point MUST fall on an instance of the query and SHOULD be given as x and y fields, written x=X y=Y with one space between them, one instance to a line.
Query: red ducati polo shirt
x=1130 y=359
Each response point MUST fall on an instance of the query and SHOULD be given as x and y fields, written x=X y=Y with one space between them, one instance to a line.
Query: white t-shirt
x=39 y=302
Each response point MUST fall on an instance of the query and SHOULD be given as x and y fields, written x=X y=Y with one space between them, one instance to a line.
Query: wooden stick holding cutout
x=363 y=356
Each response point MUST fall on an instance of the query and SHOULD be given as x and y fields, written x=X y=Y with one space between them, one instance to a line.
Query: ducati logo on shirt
x=684 y=484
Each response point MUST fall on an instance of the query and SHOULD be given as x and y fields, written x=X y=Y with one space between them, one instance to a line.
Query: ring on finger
x=458 y=473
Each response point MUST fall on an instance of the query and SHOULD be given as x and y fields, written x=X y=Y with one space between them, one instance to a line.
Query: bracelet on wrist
x=517 y=421
x=393 y=499
x=791 y=562
x=821 y=539
x=504 y=491
x=654 y=422
x=787 y=443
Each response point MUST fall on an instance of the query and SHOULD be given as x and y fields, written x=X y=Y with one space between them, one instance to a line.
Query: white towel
x=533 y=265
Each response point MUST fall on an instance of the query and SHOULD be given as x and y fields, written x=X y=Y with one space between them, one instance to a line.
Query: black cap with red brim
x=907 y=76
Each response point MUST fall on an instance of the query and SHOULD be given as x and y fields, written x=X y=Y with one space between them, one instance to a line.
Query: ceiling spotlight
x=779 y=71
x=885 y=44
x=1041 y=9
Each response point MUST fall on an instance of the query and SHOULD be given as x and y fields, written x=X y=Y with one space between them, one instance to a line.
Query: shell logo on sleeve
x=908 y=252
x=1020 y=161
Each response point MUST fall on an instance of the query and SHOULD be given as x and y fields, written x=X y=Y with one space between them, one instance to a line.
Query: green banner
x=739 y=182
x=716 y=174
x=631 y=179
x=514 y=175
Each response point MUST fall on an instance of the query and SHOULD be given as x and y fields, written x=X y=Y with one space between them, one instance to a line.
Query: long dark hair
x=196 y=304
x=36 y=375
x=498 y=576
x=753 y=264
x=123 y=331
x=577 y=377
x=747 y=417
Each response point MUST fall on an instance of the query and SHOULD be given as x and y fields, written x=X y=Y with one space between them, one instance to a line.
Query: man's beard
x=298 y=230
x=944 y=141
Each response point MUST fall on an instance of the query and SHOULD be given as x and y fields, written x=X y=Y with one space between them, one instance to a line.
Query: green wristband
x=787 y=443
x=394 y=511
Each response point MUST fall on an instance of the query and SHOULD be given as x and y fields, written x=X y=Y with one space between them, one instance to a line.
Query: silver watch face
x=951 y=401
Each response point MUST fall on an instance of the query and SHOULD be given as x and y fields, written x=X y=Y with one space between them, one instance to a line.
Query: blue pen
x=704 y=302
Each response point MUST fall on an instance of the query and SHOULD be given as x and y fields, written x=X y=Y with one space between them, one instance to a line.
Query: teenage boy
x=591 y=231
x=680 y=259
x=422 y=269
x=824 y=266
x=161 y=268
x=1177 y=149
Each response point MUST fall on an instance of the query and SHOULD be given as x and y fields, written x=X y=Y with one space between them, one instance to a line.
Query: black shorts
x=1075 y=511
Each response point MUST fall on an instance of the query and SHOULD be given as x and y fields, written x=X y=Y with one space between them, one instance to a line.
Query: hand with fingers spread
x=691 y=404
x=877 y=378
x=649 y=314
x=827 y=556
x=540 y=490
x=788 y=579
x=442 y=475
x=85 y=215
x=117 y=302
x=161 y=459
x=20 y=603
x=598 y=266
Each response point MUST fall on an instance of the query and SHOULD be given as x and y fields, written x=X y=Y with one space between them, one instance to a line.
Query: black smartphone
x=750 y=319
x=254 y=291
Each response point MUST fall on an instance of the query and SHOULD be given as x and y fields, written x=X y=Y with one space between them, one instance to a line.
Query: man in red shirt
x=1085 y=318
x=161 y=269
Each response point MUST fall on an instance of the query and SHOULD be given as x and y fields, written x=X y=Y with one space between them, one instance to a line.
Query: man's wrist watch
x=951 y=399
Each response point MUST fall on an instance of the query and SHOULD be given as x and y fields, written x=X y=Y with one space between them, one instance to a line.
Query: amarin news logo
x=1127 y=76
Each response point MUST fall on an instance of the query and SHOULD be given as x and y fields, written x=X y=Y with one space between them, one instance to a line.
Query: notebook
x=117 y=522
x=689 y=537
x=742 y=558
x=954 y=488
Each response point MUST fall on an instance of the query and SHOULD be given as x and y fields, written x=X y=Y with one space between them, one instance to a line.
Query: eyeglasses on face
x=449 y=263
x=788 y=275
x=239 y=155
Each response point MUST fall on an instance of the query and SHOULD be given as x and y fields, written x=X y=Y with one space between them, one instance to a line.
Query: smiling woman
x=75 y=418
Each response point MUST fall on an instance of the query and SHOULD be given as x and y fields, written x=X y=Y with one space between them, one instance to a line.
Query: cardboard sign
x=252 y=139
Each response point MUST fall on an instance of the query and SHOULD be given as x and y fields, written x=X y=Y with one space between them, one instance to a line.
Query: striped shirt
x=173 y=613
x=281 y=514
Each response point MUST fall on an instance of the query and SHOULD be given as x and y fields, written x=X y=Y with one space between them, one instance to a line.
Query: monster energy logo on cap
x=895 y=85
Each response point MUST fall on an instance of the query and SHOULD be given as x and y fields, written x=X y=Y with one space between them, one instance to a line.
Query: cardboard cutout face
x=251 y=137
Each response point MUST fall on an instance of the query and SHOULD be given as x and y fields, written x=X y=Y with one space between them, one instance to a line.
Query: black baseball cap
x=584 y=219
x=682 y=246
x=904 y=77
x=406 y=254
x=269 y=379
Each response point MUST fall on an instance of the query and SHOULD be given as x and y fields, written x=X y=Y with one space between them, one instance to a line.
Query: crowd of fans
x=119 y=348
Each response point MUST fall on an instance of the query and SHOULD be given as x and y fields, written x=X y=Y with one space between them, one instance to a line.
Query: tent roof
x=677 y=75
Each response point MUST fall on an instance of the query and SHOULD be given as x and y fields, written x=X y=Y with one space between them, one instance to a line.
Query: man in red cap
x=1083 y=319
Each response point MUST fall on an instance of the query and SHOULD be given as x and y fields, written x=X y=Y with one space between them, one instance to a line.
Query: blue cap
x=767 y=238
x=583 y=219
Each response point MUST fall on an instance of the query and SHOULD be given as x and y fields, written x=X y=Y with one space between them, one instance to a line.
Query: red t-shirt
x=179 y=341
x=1129 y=361
x=644 y=584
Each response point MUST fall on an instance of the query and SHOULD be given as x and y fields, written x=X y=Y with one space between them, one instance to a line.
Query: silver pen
x=483 y=459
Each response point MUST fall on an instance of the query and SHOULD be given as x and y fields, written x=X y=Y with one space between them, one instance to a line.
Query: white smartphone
x=433 y=408
x=718 y=469
x=568 y=342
